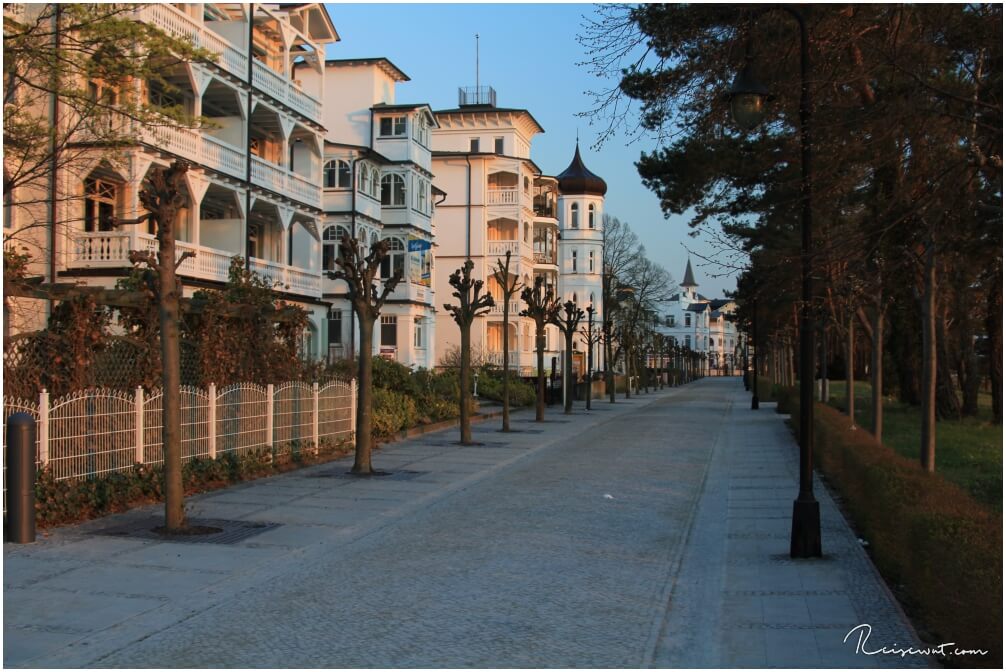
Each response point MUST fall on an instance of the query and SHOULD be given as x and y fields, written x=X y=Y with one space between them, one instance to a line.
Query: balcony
x=285 y=91
x=285 y=182
x=515 y=308
x=198 y=147
x=110 y=249
x=499 y=248
x=544 y=208
x=503 y=196
x=495 y=357
x=178 y=24
x=545 y=258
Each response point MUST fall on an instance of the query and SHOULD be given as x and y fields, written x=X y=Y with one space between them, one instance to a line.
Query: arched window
x=393 y=190
x=331 y=250
x=574 y=297
x=331 y=174
x=590 y=215
x=101 y=198
x=375 y=183
x=591 y=258
x=343 y=174
x=395 y=261
x=364 y=179
x=574 y=216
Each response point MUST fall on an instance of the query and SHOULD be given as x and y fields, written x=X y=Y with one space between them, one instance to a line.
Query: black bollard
x=21 y=478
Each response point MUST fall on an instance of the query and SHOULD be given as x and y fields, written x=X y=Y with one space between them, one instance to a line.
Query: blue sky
x=529 y=54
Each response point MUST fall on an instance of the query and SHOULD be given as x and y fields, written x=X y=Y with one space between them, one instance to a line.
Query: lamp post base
x=805 y=538
x=754 y=403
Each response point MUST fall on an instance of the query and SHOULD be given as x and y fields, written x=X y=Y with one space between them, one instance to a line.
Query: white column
x=269 y=407
x=43 y=427
x=314 y=417
x=139 y=424
x=211 y=393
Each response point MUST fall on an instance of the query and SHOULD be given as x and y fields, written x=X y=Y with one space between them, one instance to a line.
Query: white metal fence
x=99 y=431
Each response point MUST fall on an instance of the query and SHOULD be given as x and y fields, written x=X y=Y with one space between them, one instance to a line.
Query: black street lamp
x=747 y=105
x=754 y=355
x=590 y=351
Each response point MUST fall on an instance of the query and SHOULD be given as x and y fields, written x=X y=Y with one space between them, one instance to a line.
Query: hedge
x=930 y=539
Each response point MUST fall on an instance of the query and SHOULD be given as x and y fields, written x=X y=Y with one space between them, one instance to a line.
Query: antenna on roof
x=476 y=61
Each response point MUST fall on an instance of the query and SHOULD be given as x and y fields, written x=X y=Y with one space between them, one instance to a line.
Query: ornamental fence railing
x=98 y=431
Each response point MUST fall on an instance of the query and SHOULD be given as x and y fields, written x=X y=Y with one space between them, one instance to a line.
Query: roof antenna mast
x=476 y=63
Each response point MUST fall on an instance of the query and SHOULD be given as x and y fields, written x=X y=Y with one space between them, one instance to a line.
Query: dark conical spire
x=689 y=280
x=578 y=180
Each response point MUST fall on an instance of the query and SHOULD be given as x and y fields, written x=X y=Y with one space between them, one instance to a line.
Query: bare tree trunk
x=609 y=372
x=927 y=452
x=539 y=407
x=506 y=360
x=365 y=399
x=850 y=369
x=877 y=371
x=171 y=408
x=466 y=363
x=628 y=371
x=568 y=381
x=993 y=326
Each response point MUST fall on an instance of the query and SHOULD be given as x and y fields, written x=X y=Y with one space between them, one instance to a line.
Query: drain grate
x=378 y=476
x=231 y=531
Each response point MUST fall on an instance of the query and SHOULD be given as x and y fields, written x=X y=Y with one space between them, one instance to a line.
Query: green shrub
x=926 y=534
x=393 y=412
x=390 y=375
x=491 y=387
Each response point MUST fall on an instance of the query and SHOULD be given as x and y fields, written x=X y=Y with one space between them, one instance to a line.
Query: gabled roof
x=407 y=107
x=381 y=62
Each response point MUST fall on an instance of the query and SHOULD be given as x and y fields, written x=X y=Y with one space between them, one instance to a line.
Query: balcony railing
x=285 y=91
x=515 y=308
x=503 y=196
x=499 y=248
x=198 y=147
x=283 y=181
x=495 y=357
x=546 y=258
x=179 y=24
x=110 y=249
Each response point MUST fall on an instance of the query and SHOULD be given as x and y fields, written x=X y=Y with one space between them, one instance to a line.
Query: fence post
x=43 y=427
x=211 y=420
x=314 y=418
x=139 y=424
x=269 y=407
x=352 y=406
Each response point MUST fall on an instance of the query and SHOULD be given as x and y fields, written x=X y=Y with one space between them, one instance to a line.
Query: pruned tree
x=471 y=304
x=568 y=319
x=509 y=285
x=360 y=271
x=621 y=250
x=542 y=306
x=163 y=195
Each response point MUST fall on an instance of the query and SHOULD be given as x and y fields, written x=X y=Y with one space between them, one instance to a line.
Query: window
x=712 y=342
x=688 y=341
x=395 y=261
x=591 y=260
x=392 y=126
x=421 y=190
x=574 y=216
x=331 y=240
x=334 y=326
x=344 y=174
x=688 y=319
x=527 y=232
x=393 y=190
x=574 y=297
x=389 y=330
x=421 y=130
x=590 y=216
x=670 y=321
x=572 y=254
x=473 y=145
x=364 y=180
x=417 y=332
x=100 y=198
x=592 y=298
x=375 y=183
x=498 y=142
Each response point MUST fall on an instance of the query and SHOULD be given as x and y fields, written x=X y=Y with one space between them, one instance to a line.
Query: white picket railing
x=98 y=431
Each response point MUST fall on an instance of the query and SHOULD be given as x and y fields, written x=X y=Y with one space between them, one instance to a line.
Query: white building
x=702 y=324
x=378 y=184
x=254 y=185
x=498 y=200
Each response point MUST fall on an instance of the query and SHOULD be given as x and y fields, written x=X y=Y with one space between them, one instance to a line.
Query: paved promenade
x=653 y=532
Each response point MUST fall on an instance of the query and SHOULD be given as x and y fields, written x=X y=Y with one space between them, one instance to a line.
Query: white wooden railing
x=283 y=181
x=285 y=91
x=177 y=23
x=502 y=196
x=499 y=248
x=288 y=278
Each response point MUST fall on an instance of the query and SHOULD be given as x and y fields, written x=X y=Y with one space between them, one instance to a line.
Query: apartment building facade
x=378 y=185
x=498 y=200
x=254 y=185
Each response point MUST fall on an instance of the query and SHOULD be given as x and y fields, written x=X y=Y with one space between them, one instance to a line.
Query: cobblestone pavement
x=565 y=544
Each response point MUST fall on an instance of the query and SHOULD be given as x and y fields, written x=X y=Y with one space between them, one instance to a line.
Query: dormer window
x=392 y=126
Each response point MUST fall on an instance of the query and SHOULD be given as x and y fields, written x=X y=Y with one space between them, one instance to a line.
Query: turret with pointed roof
x=689 y=280
x=577 y=179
